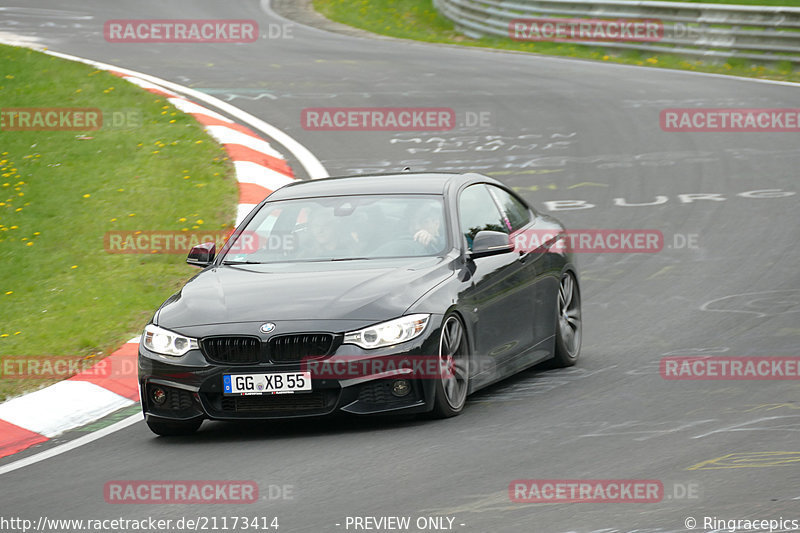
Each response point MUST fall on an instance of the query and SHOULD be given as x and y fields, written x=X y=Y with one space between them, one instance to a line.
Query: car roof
x=399 y=183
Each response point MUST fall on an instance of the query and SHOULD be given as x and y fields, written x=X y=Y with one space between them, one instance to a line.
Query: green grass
x=418 y=20
x=61 y=293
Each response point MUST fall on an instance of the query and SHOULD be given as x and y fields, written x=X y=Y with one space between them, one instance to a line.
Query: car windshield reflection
x=344 y=228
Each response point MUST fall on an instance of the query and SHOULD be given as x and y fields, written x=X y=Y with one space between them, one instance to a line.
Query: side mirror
x=202 y=255
x=488 y=242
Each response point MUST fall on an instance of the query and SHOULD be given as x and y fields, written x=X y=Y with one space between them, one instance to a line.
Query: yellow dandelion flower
x=73 y=267
x=87 y=195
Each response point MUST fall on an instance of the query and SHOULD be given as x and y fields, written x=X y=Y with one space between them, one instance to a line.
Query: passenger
x=427 y=228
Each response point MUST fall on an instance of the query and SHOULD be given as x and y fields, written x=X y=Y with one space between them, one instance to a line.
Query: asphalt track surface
x=567 y=130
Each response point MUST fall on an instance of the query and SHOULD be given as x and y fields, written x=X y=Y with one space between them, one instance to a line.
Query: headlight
x=166 y=342
x=387 y=333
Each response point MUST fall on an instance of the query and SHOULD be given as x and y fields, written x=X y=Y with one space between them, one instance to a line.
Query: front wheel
x=173 y=428
x=568 y=328
x=453 y=379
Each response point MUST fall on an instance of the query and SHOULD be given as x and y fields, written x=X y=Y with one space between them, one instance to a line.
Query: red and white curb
x=41 y=415
x=260 y=169
x=38 y=416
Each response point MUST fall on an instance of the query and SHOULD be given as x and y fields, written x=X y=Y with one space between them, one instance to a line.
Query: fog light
x=401 y=387
x=159 y=395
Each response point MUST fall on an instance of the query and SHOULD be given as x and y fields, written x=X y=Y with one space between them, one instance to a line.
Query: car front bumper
x=194 y=385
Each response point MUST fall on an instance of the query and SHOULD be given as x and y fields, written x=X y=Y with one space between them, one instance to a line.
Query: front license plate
x=274 y=383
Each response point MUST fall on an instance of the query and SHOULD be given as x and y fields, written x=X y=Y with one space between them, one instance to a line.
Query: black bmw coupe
x=395 y=293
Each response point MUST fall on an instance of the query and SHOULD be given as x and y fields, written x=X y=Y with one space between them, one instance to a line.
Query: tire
x=568 y=322
x=173 y=428
x=452 y=385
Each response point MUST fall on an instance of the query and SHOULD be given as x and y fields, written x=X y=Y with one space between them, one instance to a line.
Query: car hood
x=371 y=290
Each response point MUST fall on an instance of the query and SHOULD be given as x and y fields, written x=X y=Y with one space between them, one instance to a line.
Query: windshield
x=342 y=228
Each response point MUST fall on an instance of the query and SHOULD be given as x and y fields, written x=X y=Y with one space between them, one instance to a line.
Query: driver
x=324 y=236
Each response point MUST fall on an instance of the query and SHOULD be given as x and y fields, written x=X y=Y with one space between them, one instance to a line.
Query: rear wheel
x=173 y=428
x=453 y=380
x=568 y=328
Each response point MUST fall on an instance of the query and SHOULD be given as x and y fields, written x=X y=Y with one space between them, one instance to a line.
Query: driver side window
x=478 y=211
